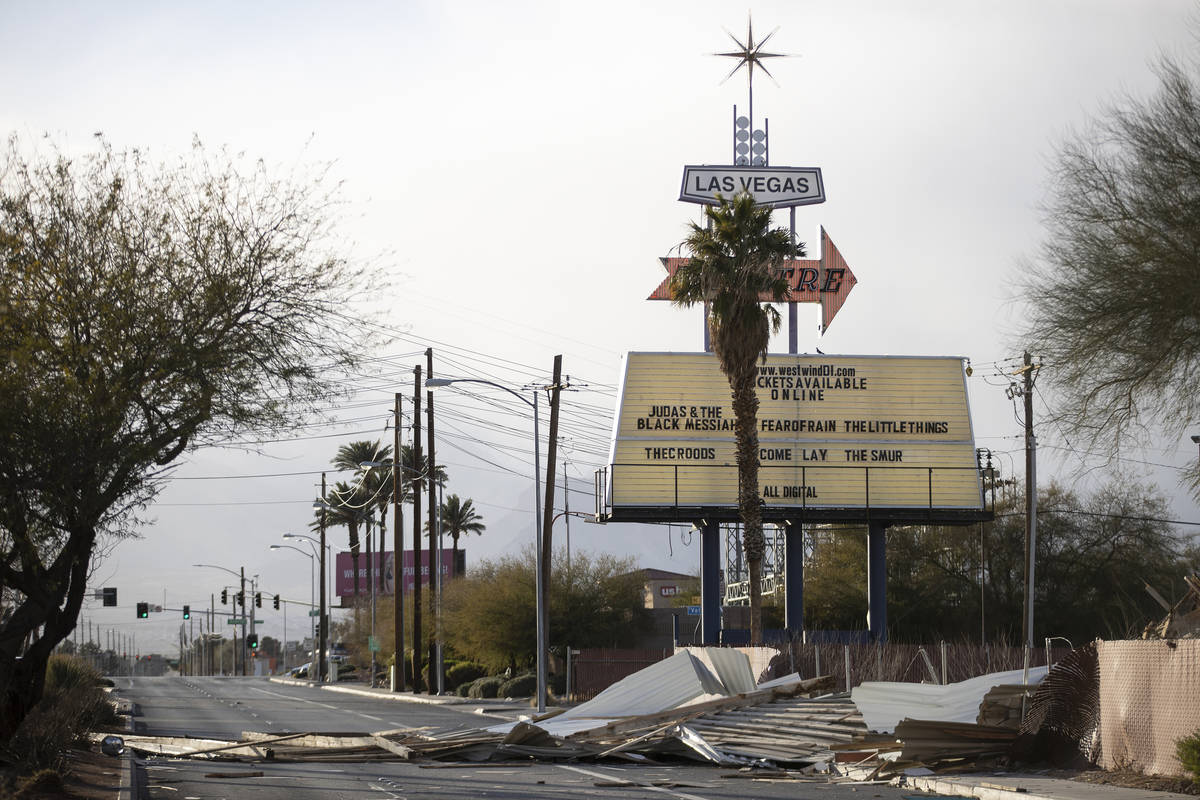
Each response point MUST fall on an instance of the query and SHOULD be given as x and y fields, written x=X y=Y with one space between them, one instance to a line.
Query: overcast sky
x=514 y=168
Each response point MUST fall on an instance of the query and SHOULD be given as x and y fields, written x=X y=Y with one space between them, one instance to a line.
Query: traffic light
x=110 y=595
x=224 y=597
x=187 y=612
x=241 y=599
x=143 y=610
x=252 y=641
x=258 y=599
x=276 y=602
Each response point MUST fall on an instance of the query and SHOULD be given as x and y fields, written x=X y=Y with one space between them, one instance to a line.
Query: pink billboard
x=383 y=562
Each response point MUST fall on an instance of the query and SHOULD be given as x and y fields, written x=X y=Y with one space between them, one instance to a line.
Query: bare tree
x=1115 y=293
x=144 y=309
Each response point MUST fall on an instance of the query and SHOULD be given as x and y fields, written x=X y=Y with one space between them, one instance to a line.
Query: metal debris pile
x=918 y=729
x=1183 y=619
x=701 y=704
x=686 y=706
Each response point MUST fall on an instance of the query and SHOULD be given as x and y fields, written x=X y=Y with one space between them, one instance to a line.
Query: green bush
x=464 y=689
x=67 y=672
x=520 y=686
x=1188 y=750
x=464 y=672
x=484 y=688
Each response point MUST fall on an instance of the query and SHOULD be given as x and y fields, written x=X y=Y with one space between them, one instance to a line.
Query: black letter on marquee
x=833 y=280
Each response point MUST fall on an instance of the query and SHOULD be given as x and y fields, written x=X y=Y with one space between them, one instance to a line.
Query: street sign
x=693 y=611
x=826 y=280
x=778 y=187
x=314 y=612
x=372 y=644
x=236 y=620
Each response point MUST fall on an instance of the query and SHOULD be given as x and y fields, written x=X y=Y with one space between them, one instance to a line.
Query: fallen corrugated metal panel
x=884 y=703
x=786 y=679
x=671 y=683
x=790 y=730
x=730 y=665
x=631 y=724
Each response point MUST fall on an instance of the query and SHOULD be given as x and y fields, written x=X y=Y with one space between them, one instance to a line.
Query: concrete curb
x=950 y=786
x=403 y=697
x=1023 y=786
x=128 y=790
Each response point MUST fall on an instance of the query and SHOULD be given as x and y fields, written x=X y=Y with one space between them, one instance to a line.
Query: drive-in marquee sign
x=778 y=187
x=834 y=432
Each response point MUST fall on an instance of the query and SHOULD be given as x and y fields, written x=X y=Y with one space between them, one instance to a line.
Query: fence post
x=846 y=650
x=817 y=656
x=568 y=686
x=943 y=662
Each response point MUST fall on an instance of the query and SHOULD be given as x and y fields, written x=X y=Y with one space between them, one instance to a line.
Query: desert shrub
x=464 y=672
x=487 y=687
x=520 y=686
x=464 y=689
x=43 y=783
x=1188 y=750
x=72 y=705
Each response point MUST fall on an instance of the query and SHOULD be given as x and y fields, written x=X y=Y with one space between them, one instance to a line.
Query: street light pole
x=397 y=555
x=540 y=589
x=318 y=655
x=311 y=593
x=241 y=574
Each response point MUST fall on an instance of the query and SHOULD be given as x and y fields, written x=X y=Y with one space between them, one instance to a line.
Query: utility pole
x=567 y=513
x=434 y=569
x=397 y=551
x=323 y=619
x=418 y=462
x=1030 y=500
x=548 y=524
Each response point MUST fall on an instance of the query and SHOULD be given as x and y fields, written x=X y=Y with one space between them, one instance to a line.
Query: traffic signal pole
x=242 y=599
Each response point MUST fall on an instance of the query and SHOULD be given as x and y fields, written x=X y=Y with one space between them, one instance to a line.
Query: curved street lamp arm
x=433 y=383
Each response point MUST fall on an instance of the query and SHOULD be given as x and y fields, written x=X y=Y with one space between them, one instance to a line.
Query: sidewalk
x=1016 y=786
x=408 y=697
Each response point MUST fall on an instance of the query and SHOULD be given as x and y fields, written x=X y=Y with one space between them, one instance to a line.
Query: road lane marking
x=297 y=699
x=368 y=716
x=638 y=784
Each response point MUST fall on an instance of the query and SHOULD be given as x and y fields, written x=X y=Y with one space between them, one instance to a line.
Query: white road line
x=292 y=697
x=604 y=777
x=368 y=716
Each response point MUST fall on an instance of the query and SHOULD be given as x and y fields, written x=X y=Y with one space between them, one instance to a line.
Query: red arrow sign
x=827 y=280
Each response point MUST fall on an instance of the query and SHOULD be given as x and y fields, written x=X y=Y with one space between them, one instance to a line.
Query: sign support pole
x=877 y=581
x=793 y=315
x=710 y=566
x=793 y=560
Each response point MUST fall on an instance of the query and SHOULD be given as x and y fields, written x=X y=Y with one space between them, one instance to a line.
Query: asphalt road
x=225 y=707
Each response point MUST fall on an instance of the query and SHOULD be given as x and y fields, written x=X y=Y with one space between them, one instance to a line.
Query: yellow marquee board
x=833 y=431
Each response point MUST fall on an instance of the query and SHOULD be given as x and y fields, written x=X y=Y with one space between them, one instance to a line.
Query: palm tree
x=459 y=517
x=336 y=513
x=734 y=267
x=374 y=489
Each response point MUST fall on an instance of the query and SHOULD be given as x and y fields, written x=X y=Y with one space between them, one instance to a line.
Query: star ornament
x=750 y=54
